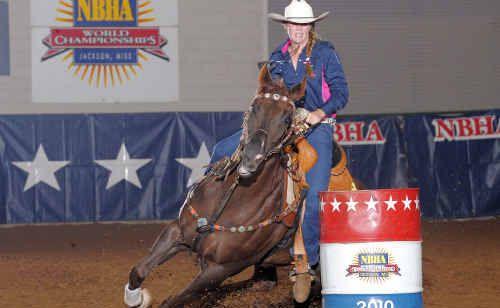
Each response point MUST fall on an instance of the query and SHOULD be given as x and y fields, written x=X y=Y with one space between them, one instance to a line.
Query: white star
x=123 y=168
x=417 y=204
x=335 y=205
x=41 y=170
x=351 y=205
x=391 y=204
x=407 y=203
x=196 y=164
x=371 y=204
x=322 y=205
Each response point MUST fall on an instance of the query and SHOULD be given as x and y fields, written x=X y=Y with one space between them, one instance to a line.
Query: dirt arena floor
x=87 y=266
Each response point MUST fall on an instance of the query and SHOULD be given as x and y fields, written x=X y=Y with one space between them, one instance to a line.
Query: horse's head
x=268 y=122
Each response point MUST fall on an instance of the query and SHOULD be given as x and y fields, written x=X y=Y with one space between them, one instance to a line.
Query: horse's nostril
x=243 y=171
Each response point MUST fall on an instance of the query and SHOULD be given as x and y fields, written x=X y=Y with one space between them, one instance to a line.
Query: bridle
x=285 y=137
x=206 y=225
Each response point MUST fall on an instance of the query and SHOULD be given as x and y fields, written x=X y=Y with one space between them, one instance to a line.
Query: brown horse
x=234 y=217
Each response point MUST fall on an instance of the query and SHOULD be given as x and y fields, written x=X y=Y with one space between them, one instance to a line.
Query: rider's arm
x=335 y=78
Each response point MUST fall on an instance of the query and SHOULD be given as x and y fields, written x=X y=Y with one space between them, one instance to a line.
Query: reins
x=208 y=225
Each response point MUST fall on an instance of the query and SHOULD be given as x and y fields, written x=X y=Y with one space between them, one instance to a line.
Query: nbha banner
x=111 y=167
x=105 y=51
x=455 y=160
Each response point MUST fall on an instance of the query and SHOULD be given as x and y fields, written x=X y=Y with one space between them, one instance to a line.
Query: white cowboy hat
x=299 y=12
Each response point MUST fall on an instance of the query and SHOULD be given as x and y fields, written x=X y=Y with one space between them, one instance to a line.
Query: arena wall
x=220 y=43
x=405 y=56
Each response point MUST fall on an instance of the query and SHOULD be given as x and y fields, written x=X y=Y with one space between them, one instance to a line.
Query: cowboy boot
x=301 y=273
x=302 y=277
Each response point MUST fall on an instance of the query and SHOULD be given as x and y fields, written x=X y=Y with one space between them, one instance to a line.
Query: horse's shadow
x=215 y=299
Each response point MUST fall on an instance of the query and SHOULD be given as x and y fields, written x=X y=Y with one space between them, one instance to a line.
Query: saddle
x=304 y=158
x=340 y=179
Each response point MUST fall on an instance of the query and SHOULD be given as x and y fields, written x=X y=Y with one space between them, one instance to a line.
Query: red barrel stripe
x=370 y=216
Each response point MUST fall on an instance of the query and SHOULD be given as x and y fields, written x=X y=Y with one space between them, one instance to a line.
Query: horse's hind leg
x=167 y=245
x=265 y=275
x=208 y=279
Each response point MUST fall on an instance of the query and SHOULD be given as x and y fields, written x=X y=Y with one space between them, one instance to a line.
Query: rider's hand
x=315 y=117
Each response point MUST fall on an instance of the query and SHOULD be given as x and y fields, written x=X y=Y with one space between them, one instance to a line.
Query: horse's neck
x=270 y=178
x=272 y=169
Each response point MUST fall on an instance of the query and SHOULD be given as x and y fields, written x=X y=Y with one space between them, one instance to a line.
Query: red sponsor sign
x=62 y=39
x=104 y=38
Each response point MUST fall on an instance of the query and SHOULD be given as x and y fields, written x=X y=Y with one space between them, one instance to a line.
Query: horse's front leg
x=167 y=245
x=209 y=278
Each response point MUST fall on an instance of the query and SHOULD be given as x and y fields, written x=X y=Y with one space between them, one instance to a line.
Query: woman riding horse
x=233 y=219
x=301 y=55
x=226 y=236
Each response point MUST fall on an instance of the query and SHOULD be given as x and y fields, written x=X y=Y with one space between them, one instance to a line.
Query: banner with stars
x=80 y=168
x=122 y=167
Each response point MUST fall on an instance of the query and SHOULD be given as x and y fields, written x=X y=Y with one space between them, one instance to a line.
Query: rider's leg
x=226 y=147
x=317 y=178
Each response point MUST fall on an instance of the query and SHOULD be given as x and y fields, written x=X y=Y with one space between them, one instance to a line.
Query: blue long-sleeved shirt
x=327 y=89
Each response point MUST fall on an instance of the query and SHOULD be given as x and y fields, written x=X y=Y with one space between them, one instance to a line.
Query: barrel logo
x=106 y=41
x=373 y=266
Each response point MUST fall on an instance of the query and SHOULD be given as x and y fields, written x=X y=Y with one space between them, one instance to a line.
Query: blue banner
x=455 y=160
x=81 y=168
x=103 y=167
x=4 y=39
x=373 y=146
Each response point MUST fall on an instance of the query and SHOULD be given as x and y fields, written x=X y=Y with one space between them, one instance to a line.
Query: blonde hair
x=313 y=38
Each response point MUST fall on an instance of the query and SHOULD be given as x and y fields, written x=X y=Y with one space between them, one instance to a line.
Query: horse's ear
x=298 y=91
x=265 y=78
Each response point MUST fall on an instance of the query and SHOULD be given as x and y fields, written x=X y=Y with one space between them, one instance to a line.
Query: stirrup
x=293 y=274
x=300 y=263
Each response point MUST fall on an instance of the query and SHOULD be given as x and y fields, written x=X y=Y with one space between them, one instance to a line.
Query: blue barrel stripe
x=408 y=300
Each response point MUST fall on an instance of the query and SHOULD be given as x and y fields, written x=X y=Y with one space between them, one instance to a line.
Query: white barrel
x=371 y=254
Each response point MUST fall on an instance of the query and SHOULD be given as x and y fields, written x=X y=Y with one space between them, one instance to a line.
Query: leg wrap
x=132 y=298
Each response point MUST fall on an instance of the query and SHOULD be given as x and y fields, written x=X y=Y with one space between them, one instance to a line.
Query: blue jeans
x=321 y=139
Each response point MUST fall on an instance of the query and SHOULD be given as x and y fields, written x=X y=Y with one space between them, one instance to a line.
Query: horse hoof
x=302 y=287
x=138 y=298
x=147 y=299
